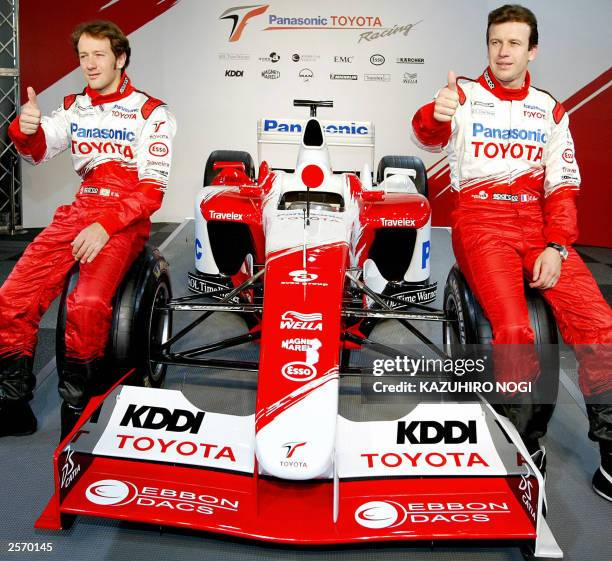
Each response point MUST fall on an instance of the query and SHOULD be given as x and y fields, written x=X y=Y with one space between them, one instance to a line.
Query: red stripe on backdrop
x=588 y=90
x=45 y=50
x=590 y=125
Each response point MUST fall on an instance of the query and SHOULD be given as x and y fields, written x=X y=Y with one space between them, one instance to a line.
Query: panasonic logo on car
x=274 y=125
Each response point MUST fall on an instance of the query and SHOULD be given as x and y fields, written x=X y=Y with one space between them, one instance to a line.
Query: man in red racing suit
x=514 y=178
x=120 y=139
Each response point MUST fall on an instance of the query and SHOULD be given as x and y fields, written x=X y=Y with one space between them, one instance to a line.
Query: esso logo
x=299 y=371
x=110 y=492
x=380 y=514
x=568 y=155
x=377 y=60
x=158 y=149
x=302 y=276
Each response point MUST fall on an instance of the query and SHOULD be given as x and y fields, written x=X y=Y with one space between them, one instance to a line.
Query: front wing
x=148 y=455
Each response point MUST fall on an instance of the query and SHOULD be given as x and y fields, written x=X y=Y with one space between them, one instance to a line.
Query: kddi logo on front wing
x=112 y=492
x=434 y=432
x=392 y=514
x=159 y=418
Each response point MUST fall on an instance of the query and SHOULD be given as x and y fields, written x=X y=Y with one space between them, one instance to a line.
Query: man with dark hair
x=120 y=139
x=514 y=178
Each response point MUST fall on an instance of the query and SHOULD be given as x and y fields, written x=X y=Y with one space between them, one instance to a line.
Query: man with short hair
x=120 y=139
x=514 y=179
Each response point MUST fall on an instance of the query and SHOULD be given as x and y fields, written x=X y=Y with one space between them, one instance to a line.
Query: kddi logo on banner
x=157 y=418
x=434 y=432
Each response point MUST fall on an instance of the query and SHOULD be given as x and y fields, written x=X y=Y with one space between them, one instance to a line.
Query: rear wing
x=350 y=143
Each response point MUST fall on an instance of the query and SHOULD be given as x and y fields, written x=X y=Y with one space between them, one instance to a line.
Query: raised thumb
x=32 y=96
x=452 y=81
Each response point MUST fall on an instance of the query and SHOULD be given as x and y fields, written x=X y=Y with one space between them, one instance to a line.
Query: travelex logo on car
x=273 y=125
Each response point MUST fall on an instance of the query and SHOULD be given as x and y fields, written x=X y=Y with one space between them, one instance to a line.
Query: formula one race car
x=312 y=258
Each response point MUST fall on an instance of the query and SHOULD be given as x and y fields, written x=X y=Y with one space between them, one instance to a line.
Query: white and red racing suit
x=121 y=148
x=514 y=177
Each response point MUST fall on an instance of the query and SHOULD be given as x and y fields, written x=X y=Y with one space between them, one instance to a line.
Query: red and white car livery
x=291 y=249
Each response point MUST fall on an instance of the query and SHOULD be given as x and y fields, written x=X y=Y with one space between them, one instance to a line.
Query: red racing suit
x=514 y=177
x=121 y=148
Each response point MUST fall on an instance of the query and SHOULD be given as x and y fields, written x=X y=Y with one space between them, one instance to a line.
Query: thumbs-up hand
x=29 y=119
x=448 y=100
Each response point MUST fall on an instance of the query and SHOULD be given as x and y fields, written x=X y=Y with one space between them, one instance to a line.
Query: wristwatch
x=561 y=249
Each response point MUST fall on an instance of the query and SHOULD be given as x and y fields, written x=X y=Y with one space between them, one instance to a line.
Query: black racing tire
x=473 y=328
x=137 y=327
x=227 y=156
x=405 y=162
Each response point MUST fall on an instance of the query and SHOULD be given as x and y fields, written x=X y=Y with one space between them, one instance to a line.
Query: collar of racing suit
x=125 y=88
x=489 y=82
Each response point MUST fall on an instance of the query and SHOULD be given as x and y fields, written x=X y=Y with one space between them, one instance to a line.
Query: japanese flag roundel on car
x=312 y=176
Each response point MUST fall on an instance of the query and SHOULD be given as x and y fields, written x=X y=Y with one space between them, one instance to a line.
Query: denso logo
x=299 y=371
x=306 y=322
x=433 y=432
x=157 y=418
x=272 y=125
x=214 y=215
